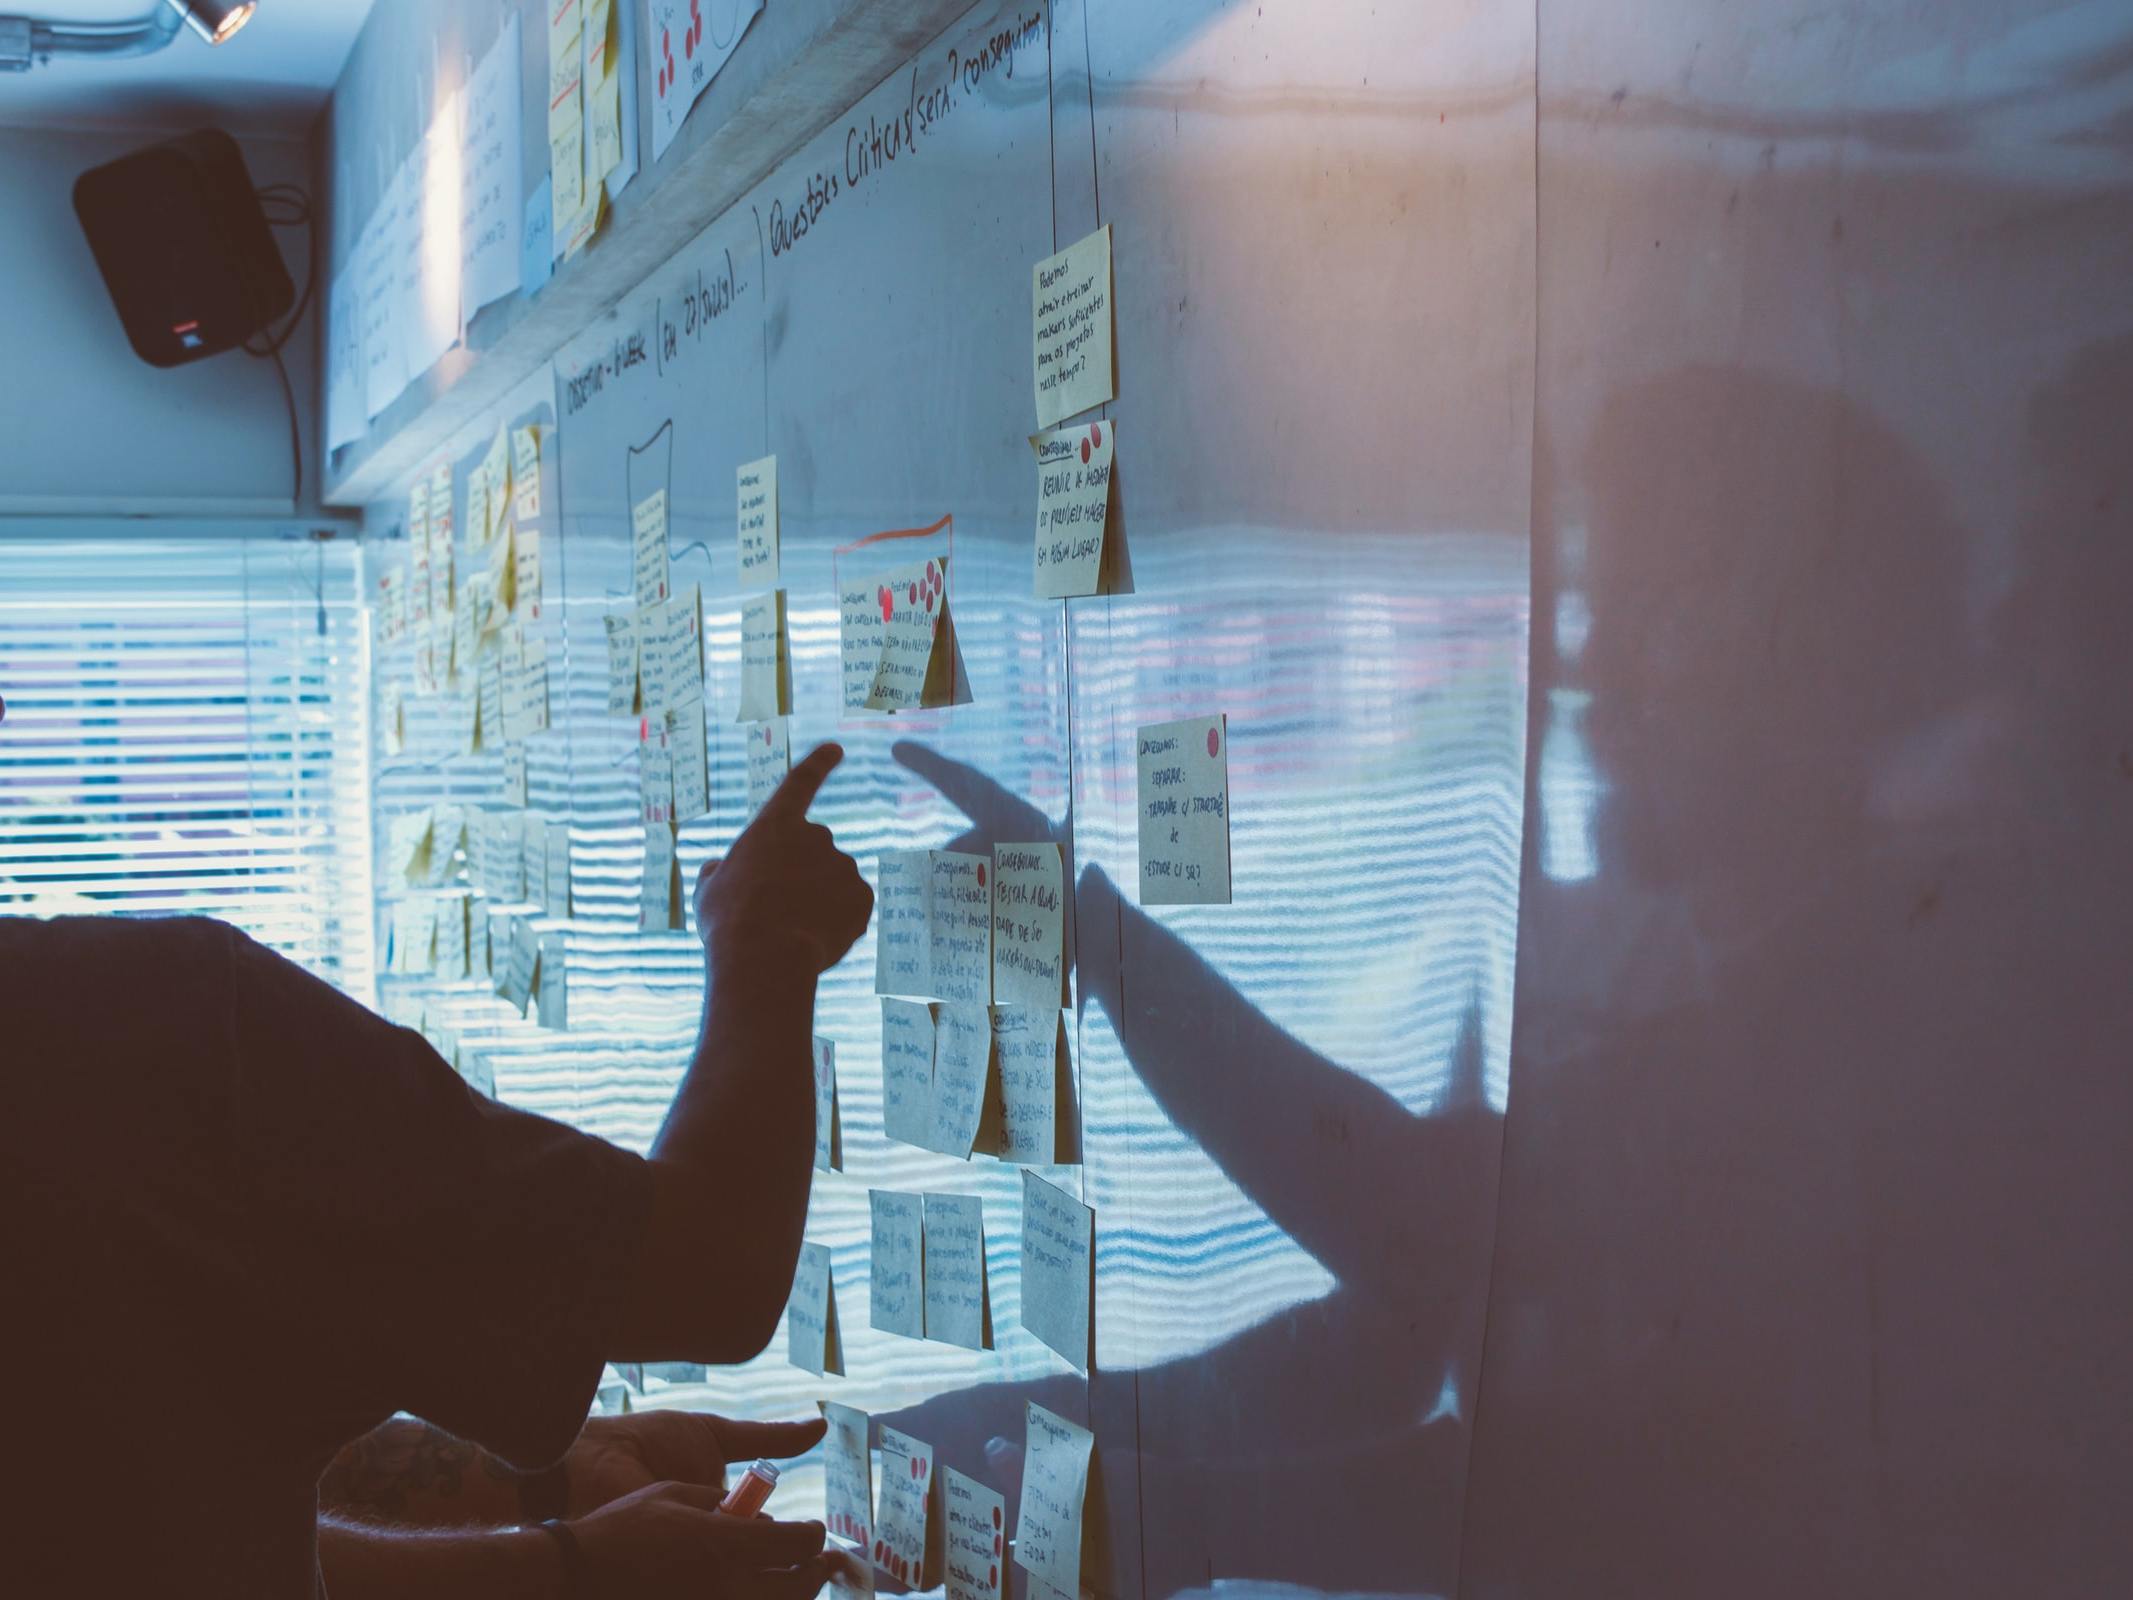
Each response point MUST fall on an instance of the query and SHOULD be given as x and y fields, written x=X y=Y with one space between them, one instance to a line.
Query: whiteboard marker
x=747 y=1496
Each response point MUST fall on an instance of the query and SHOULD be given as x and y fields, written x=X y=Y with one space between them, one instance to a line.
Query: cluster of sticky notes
x=893 y=648
x=585 y=141
x=893 y=1524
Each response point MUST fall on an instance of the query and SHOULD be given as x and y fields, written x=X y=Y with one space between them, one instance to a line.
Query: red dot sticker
x=880 y=1549
x=996 y=1523
x=1214 y=743
x=996 y=1541
x=981 y=884
x=913 y=593
x=1084 y=452
x=916 y=1469
x=766 y=736
x=1096 y=434
x=888 y=603
x=992 y=1576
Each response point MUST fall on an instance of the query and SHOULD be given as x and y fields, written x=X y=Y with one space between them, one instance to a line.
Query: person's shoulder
x=79 y=938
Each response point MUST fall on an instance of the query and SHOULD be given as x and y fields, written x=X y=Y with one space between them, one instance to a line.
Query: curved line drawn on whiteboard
x=1360 y=1402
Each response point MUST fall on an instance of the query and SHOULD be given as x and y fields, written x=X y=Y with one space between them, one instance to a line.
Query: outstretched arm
x=733 y=1161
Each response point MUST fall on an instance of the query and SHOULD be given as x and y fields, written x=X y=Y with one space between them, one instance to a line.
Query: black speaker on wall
x=184 y=249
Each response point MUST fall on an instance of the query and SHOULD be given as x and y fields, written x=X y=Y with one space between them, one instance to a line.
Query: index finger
x=780 y=1439
x=804 y=782
x=758 y=1542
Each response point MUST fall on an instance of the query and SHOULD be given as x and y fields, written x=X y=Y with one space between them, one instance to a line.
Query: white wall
x=86 y=426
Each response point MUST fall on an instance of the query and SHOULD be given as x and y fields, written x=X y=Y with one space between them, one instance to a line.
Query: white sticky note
x=655 y=776
x=534 y=698
x=685 y=745
x=896 y=1276
x=829 y=1128
x=525 y=543
x=862 y=613
x=414 y=933
x=1058 y=1237
x=1055 y=1478
x=912 y=670
x=765 y=674
x=974 y=1542
x=681 y=647
x=1027 y=1045
x=900 y=1513
x=407 y=846
x=756 y=496
x=533 y=854
x=392 y=717
x=1028 y=925
x=489 y=697
x=525 y=958
x=769 y=746
x=526 y=470
x=1070 y=303
x=958 y=1304
x=811 y=1337
x=689 y=43
x=962 y=1069
x=514 y=775
x=648 y=527
x=452 y=937
x=903 y=962
x=654 y=695
x=907 y=1072
x=959 y=926
x=556 y=897
x=554 y=984
x=1184 y=812
x=621 y=664
x=1073 y=508
x=656 y=888
x=848 y=1474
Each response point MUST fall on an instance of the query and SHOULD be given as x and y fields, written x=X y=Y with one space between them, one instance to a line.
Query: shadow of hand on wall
x=1326 y=1444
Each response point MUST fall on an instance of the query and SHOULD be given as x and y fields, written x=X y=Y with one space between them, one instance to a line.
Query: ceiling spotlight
x=213 y=20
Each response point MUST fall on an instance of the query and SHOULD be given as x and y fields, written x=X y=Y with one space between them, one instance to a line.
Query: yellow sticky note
x=756 y=505
x=1055 y=1478
x=408 y=846
x=1184 y=812
x=898 y=1302
x=958 y=1303
x=765 y=674
x=1058 y=1240
x=526 y=472
x=1073 y=508
x=566 y=113
x=910 y=671
x=1070 y=304
x=812 y=1342
x=900 y=1514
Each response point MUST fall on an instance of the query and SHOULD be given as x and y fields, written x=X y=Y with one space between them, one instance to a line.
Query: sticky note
x=525 y=543
x=621 y=664
x=525 y=958
x=414 y=934
x=898 y=1303
x=958 y=1306
x=959 y=926
x=477 y=934
x=392 y=717
x=848 y=1474
x=766 y=678
x=556 y=898
x=554 y=983
x=657 y=891
x=533 y=852
x=651 y=627
x=495 y=475
x=1073 y=508
x=1055 y=1478
x=912 y=670
x=514 y=784
x=452 y=937
x=1184 y=812
x=853 y=1577
x=962 y=1069
x=566 y=112
x=1058 y=1234
x=1070 y=303
x=686 y=749
x=769 y=746
x=974 y=1541
x=1028 y=926
x=489 y=695
x=526 y=472
x=534 y=696
x=907 y=1071
x=681 y=646
x=900 y=1513
x=448 y=826
x=903 y=963
x=655 y=776
x=648 y=523
x=756 y=495
x=507 y=861
x=829 y=1128
x=811 y=1338
x=407 y=846
x=1028 y=1044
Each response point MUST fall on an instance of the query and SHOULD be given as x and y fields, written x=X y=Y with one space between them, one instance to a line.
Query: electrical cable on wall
x=285 y=205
